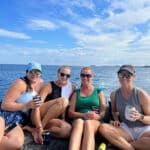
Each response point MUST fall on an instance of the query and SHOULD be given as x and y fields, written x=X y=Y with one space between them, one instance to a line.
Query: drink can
x=96 y=109
x=102 y=146
x=128 y=111
x=38 y=97
x=46 y=137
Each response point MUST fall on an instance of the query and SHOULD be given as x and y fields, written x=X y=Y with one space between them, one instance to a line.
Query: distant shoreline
x=145 y=66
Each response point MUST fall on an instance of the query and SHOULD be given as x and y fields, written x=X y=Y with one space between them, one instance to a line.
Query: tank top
x=26 y=96
x=85 y=104
x=58 y=91
x=121 y=103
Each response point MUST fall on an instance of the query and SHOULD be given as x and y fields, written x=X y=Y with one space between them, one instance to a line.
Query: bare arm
x=103 y=105
x=13 y=93
x=45 y=90
x=71 y=112
x=73 y=90
x=145 y=103
x=113 y=106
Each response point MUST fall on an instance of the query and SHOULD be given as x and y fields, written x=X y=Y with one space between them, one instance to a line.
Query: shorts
x=11 y=118
x=135 y=132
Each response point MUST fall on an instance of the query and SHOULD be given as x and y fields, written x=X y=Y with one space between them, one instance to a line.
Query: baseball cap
x=128 y=68
x=34 y=66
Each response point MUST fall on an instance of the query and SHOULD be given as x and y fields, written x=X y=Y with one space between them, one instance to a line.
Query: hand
x=91 y=115
x=135 y=115
x=115 y=123
x=37 y=135
x=35 y=103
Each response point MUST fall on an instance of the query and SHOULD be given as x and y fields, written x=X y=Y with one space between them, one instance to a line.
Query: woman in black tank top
x=55 y=96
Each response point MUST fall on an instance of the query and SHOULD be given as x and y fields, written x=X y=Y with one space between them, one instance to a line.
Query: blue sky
x=75 y=32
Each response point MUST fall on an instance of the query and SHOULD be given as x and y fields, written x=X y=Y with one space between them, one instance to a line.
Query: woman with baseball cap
x=16 y=104
x=131 y=112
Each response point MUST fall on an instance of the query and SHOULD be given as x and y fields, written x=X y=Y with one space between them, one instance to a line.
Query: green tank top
x=85 y=104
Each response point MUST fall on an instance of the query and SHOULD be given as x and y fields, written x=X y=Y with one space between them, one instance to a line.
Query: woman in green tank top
x=87 y=108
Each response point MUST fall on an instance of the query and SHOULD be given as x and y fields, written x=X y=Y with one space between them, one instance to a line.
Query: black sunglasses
x=85 y=75
x=124 y=75
x=63 y=74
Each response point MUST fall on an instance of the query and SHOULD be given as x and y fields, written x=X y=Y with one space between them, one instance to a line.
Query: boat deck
x=55 y=144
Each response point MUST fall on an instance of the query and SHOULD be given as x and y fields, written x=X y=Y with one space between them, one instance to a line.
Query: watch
x=142 y=117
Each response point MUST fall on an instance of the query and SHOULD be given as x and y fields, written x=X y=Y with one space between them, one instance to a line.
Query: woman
x=87 y=108
x=131 y=111
x=55 y=96
x=16 y=104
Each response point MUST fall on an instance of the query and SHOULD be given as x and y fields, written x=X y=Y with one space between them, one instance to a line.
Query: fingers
x=135 y=115
x=37 y=103
x=115 y=123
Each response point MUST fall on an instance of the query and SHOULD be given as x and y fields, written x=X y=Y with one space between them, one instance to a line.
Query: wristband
x=142 y=117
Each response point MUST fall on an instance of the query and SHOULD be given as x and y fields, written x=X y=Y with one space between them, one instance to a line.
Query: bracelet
x=142 y=117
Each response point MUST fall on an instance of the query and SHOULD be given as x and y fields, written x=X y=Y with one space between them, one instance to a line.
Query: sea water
x=105 y=77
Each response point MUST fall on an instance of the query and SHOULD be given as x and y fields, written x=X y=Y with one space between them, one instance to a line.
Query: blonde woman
x=87 y=108
x=55 y=96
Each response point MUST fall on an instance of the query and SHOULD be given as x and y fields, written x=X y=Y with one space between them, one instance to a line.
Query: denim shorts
x=11 y=118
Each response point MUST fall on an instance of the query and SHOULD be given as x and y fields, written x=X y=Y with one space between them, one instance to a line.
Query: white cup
x=128 y=111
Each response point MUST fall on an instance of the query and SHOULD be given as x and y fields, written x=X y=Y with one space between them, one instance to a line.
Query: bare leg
x=116 y=136
x=2 y=128
x=90 y=128
x=13 y=139
x=59 y=128
x=143 y=143
x=76 y=135
x=52 y=109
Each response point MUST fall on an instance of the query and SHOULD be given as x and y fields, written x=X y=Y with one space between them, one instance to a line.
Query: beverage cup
x=96 y=109
x=37 y=97
x=128 y=112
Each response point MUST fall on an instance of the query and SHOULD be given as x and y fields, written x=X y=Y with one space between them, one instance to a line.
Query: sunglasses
x=85 y=75
x=63 y=75
x=124 y=75
x=36 y=72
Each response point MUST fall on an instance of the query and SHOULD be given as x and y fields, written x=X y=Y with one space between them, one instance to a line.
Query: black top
x=56 y=92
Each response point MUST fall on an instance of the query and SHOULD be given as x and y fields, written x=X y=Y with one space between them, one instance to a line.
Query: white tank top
x=26 y=97
x=66 y=90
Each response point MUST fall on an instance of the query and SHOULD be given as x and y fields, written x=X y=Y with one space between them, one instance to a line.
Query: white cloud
x=74 y=3
x=11 y=34
x=41 y=24
x=38 y=41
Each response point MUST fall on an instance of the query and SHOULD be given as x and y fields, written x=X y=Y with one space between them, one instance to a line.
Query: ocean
x=104 y=77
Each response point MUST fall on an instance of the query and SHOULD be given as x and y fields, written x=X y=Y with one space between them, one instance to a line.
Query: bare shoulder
x=73 y=87
x=46 y=87
x=18 y=84
x=143 y=96
x=112 y=95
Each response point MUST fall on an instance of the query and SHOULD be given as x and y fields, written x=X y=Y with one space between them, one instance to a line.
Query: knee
x=104 y=128
x=67 y=130
x=78 y=123
x=88 y=125
x=19 y=142
x=65 y=102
